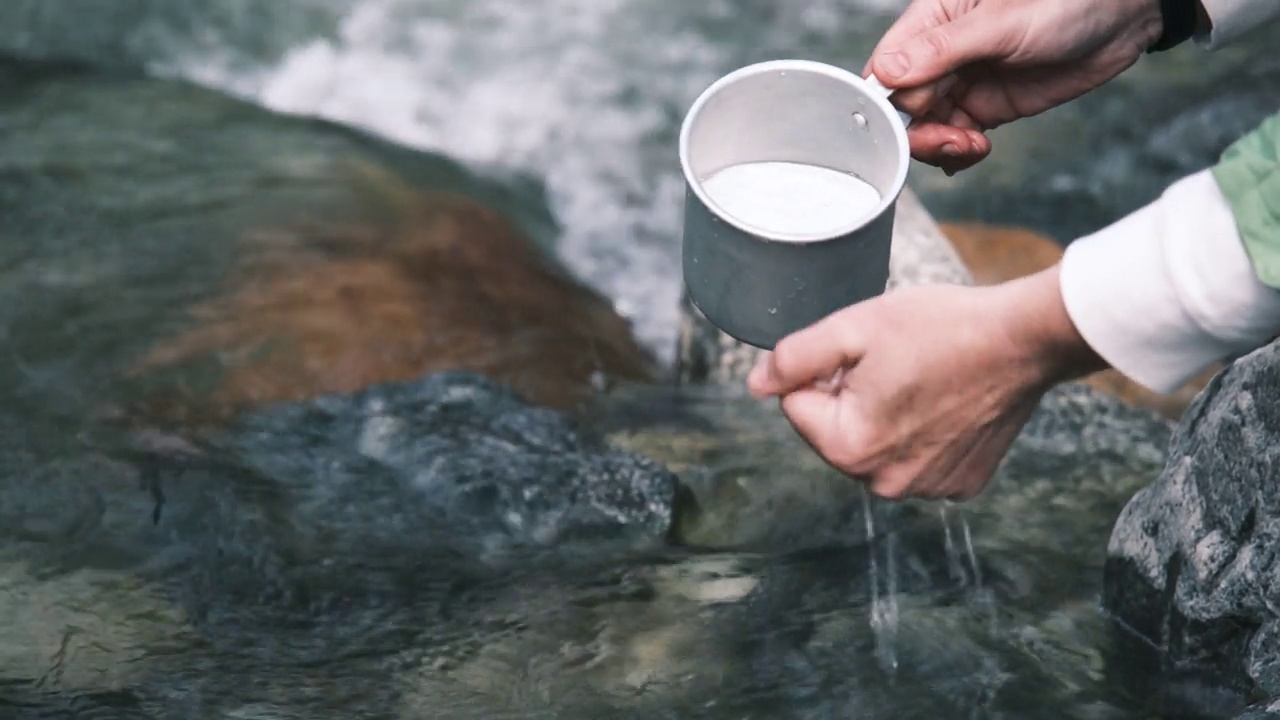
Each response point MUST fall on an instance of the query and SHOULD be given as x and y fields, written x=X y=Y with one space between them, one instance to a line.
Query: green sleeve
x=1249 y=176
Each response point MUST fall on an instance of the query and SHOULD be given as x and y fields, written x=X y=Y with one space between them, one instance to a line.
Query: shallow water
x=141 y=576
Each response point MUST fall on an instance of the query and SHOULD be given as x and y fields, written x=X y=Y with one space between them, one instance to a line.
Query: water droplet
x=860 y=120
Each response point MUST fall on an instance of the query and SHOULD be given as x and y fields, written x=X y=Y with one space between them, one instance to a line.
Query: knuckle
x=885 y=491
x=921 y=101
x=892 y=483
x=935 y=44
x=785 y=356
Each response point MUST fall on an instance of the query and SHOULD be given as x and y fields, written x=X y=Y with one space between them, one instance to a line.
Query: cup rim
x=810 y=66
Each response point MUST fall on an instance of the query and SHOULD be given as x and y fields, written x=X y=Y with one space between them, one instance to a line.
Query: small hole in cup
x=860 y=120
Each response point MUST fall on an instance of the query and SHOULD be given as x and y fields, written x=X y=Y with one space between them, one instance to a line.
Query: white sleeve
x=1168 y=290
x=1233 y=18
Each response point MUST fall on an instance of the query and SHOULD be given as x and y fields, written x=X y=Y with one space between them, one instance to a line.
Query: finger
x=981 y=149
x=942 y=475
x=944 y=145
x=958 y=117
x=812 y=412
x=809 y=355
x=974 y=472
x=893 y=482
x=925 y=99
x=935 y=52
x=828 y=424
x=968 y=479
x=920 y=15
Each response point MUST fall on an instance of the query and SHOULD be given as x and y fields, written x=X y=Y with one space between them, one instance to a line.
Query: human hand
x=937 y=381
x=963 y=67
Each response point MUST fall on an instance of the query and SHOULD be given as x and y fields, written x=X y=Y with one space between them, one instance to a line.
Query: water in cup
x=789 y=198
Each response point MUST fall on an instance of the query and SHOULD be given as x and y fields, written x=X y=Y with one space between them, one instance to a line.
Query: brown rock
x=995 y=254
x=445 y=284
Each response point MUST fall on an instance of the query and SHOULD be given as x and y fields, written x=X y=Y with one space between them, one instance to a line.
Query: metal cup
x=760 y=286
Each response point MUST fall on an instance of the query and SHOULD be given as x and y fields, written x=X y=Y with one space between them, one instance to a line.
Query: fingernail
x=951 y=149
x=894 y=65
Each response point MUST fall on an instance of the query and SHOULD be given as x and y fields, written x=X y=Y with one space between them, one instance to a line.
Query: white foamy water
x=587 y=95
x=791 y=198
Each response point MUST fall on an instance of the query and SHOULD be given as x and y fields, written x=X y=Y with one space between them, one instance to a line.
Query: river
x=237 y=582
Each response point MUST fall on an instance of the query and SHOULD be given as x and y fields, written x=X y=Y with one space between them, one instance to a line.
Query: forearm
x=1169 y=290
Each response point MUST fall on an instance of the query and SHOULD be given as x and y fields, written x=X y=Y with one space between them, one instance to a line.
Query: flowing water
x=294 y=568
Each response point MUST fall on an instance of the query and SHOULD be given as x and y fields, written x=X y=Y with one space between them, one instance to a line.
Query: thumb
x=939 y=51
x=811 y=355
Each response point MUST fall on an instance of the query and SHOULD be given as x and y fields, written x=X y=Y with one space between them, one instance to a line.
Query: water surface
x=156 y=575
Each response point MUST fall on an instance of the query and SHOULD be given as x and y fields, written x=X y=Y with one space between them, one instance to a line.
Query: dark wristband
x=1179 y=17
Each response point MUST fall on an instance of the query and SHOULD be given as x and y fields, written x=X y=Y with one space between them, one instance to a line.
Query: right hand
x=963 y=67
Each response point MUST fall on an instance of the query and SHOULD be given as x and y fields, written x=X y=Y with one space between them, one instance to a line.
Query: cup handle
x=878 y=88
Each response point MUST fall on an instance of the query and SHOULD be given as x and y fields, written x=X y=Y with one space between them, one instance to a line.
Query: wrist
x=1143 y=20
x=1044 y=338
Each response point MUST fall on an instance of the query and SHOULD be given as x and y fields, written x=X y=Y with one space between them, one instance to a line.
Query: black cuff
x=1179 y=23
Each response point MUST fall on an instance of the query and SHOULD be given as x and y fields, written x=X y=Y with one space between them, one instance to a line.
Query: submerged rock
x=1193 y=564
x=441 y=283
x=1269 y=711
x=452 y=459
x=315 y=546
x=191 y=256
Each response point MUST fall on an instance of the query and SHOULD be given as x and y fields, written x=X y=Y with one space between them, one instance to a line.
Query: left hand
x=962 y=67
x=937 y=381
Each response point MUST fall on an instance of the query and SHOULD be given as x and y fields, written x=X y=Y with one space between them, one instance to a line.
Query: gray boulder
x=455 y=457
x=1270 y=711
x=1192 y=565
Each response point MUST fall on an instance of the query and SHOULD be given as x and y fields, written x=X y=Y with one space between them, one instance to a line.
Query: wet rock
x=452 y=456
x=439 y=283
x=1192 y=563
x=748 y=481
x=253 y=258
x=58 y=635
x=1269 y=711
x=316 y=543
